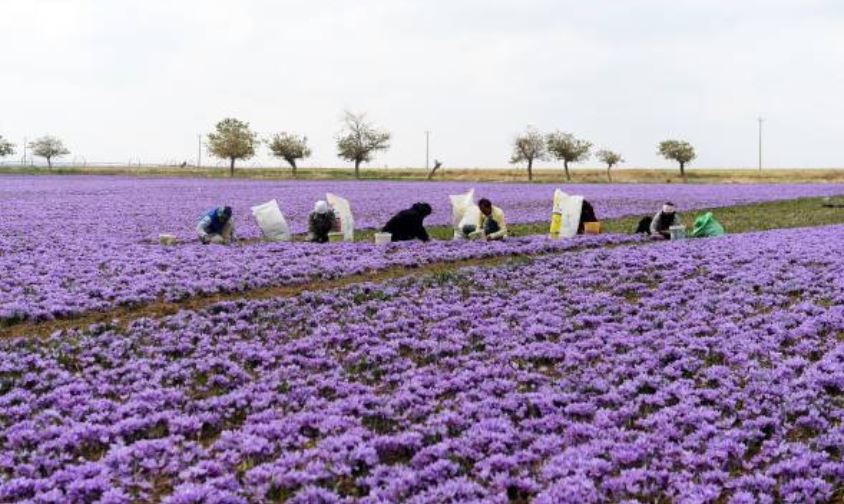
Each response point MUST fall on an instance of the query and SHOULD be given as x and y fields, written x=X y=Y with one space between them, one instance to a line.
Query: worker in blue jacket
x=216 y=226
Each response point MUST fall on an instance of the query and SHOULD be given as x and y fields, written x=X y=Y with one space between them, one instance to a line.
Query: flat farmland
x=598 y=369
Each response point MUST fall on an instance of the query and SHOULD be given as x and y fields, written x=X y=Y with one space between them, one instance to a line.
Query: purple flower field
x=70 y=244
x=700 y=371
x=105 y=208
x=40 y=287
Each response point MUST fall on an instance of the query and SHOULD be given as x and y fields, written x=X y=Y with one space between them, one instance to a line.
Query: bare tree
x=48 y=147
x=232 y=140
x=567 y=148
x=290 y=147
x=7 y=148
x=680 y=151
x=527 y=148
x=437 y=165
x=611 y=159
x=360 y=140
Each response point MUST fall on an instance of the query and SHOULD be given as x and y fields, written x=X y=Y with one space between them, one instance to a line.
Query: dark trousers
x=587 y=214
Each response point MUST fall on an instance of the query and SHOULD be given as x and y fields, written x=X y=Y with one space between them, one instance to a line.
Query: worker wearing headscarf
x=663 y=220
x=320 y=222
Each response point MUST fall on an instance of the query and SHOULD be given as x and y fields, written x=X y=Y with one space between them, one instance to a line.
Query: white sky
x=121 y=79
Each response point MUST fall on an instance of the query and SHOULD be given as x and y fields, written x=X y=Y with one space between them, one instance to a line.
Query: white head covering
x=321 y=207
x=668 y=208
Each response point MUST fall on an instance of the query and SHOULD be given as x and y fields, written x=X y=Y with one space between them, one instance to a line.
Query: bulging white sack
x=343 y=213
x=461 y=204
x=271 y=221
x=565 y=214
x=472 y=216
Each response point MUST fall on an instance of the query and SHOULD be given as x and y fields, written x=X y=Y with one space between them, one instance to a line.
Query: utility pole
x=760 y=142
x=199 y=150
x=427 y=147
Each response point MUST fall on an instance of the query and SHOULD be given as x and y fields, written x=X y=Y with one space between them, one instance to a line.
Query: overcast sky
x=120 y=80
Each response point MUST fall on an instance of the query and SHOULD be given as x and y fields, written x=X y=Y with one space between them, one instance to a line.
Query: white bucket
x=167 y=239
x=383 y=238
x=677 y=232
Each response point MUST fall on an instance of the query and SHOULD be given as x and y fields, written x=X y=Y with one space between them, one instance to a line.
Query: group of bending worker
x=216 y=225
x=409 y=224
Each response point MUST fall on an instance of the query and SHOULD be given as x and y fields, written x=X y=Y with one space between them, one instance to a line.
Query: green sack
x=706 y=226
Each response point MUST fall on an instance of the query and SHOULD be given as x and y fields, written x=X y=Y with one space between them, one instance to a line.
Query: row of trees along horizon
x=360 y=140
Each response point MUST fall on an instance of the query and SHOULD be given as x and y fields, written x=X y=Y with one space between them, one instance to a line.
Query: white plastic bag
x=461 y=204
x=471 y=217
x=343 y=213
x=271 y=221
x=565 y=215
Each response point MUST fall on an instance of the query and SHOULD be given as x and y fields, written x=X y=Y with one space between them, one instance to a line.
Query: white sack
x=472 y=216
x=343 y=213
x=271 y=221
x=569 y=208
x=460 y=204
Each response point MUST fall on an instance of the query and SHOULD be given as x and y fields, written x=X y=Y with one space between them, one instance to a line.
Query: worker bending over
x=659 y=226
x=409 y=224
x=587 y=214
x=492 y=225
x=320 y=222
x=216 y=226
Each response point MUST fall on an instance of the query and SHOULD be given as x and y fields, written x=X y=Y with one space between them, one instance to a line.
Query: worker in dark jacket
x=216 y=226
x=587 y=214
x=659 y=226
x=409 y=224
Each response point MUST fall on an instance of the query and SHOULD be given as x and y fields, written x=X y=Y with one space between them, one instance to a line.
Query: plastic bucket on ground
x=677 y=232
x=383 y=238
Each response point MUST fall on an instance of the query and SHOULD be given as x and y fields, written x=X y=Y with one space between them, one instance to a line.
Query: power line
x=427 y=147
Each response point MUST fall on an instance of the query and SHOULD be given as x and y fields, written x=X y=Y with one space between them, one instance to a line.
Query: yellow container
x=556 y=224
x=592 y=227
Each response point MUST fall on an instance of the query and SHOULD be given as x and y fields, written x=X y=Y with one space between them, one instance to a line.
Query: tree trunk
x=49 y=163
x=432 y=172
x=231 y=167
x=609 y=175
x=292 y=162
x=357 y=168
x=566 y=166
x=530 y=170
x=683 y=171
